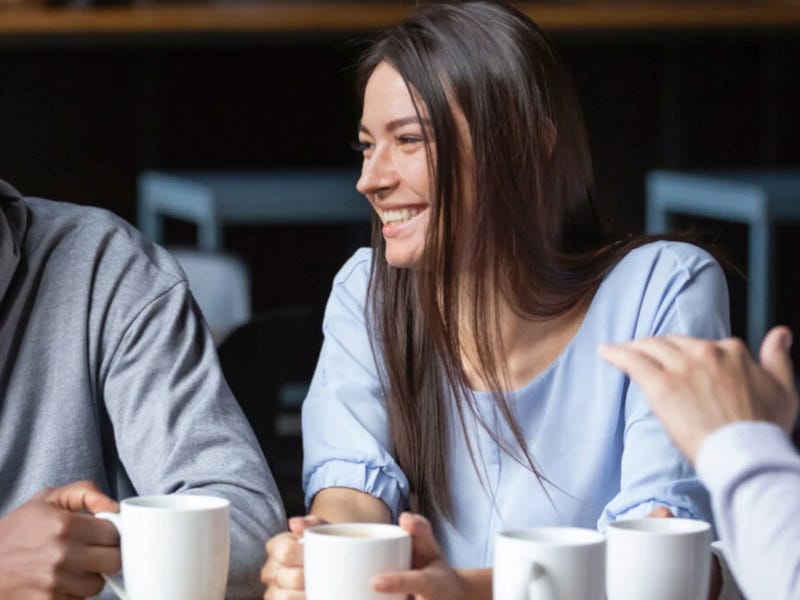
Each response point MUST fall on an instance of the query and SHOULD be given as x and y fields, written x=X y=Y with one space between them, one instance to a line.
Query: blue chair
x=759 y=199
x=213 y=199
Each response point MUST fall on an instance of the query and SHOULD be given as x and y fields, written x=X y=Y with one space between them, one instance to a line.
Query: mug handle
x=114 y=581
x=540 y=587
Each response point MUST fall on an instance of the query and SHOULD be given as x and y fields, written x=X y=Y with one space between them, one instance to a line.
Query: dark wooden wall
x=80 y=119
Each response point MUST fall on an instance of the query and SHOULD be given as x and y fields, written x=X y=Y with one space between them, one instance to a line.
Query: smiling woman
x=458 y=377
x=396 y=174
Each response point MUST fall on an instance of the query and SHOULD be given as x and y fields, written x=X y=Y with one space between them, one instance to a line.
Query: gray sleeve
x=178 y=428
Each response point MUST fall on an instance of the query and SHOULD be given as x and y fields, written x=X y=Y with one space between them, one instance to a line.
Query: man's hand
x=49 y=551
x=696 y=386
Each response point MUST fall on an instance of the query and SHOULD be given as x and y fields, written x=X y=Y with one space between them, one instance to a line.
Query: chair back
x=257 y=358
x=220 y=285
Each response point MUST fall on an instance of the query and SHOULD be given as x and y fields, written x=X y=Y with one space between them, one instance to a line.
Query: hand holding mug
x=283 y=571
x=431 y=576
x=49 y=550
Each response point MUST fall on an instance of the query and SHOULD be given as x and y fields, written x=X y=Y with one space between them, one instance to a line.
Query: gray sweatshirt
x=107 y=372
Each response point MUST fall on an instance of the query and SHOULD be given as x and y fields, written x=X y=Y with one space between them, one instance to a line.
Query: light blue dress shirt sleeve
x=691 y=298
x=346 y=439
x=753 y=473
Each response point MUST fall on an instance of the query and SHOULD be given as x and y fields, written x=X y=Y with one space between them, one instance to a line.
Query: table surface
x=318 y=17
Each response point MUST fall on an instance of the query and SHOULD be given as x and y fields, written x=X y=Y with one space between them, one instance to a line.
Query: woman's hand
x=283 y=571
x=661 y=512
x=430 y=577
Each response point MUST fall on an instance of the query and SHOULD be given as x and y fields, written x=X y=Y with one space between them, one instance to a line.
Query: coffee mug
x=658 y=559
x=549 y=563
x=342 y=559
x=174 y=547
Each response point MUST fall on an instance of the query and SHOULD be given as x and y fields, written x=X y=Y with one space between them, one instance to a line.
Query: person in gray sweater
x=109 y=387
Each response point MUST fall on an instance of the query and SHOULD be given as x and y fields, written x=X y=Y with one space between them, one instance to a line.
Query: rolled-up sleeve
x=686 y=295
x=346 y=438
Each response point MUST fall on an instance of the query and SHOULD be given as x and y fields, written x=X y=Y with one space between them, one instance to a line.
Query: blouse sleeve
x=686 y=294
x=346 y=438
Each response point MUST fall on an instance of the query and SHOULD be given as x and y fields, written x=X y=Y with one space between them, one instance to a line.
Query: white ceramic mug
x=658 y=559
x=549 y=563
x=342 y=559
x=174 y=547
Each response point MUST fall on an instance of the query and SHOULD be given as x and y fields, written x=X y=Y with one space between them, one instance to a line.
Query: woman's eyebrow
x=397 y=123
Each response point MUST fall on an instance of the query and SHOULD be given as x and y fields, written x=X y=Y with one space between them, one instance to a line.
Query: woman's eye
x=407 y=140
x=360 y=146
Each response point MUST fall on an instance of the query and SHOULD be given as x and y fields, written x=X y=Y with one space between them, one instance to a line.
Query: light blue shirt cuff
x=358 y=476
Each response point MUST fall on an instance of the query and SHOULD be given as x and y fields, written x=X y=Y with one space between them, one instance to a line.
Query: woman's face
x=395 y=176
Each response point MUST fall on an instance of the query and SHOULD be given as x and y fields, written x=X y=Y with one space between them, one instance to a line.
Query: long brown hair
x=535 y=237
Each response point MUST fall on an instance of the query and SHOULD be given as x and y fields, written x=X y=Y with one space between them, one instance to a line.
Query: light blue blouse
x=588 y=428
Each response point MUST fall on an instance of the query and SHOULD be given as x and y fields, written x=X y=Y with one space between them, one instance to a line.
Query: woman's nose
x=377 y=172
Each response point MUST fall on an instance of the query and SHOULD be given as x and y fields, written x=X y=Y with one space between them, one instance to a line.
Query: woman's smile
x=400 y=220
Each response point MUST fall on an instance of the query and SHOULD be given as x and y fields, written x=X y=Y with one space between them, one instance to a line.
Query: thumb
x=298 y=525
x=81 y=496
x=424 y=547
x=775 y=356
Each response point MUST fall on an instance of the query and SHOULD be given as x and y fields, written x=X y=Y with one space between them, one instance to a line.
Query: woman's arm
x=346 y=439
x=685 y=294
x=343 y=505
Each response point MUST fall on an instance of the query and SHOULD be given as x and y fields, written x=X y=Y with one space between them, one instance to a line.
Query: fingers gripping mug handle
x=114 y=581
x=540 y=586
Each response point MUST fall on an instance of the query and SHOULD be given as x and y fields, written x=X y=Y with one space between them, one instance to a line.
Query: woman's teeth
x=398 y=216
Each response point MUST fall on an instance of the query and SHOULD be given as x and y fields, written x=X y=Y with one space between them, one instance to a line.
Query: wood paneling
x=279 y=17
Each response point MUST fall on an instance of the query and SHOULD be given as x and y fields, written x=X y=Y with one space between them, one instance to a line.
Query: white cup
x=342 y=559
x=549 y=563
x=658 y=559
x=173 y=547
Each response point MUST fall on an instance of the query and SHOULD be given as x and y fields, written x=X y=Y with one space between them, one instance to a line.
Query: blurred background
x=94 y=93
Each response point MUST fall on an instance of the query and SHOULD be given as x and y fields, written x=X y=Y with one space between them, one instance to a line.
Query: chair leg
x=210 y=236
x=760 y=286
